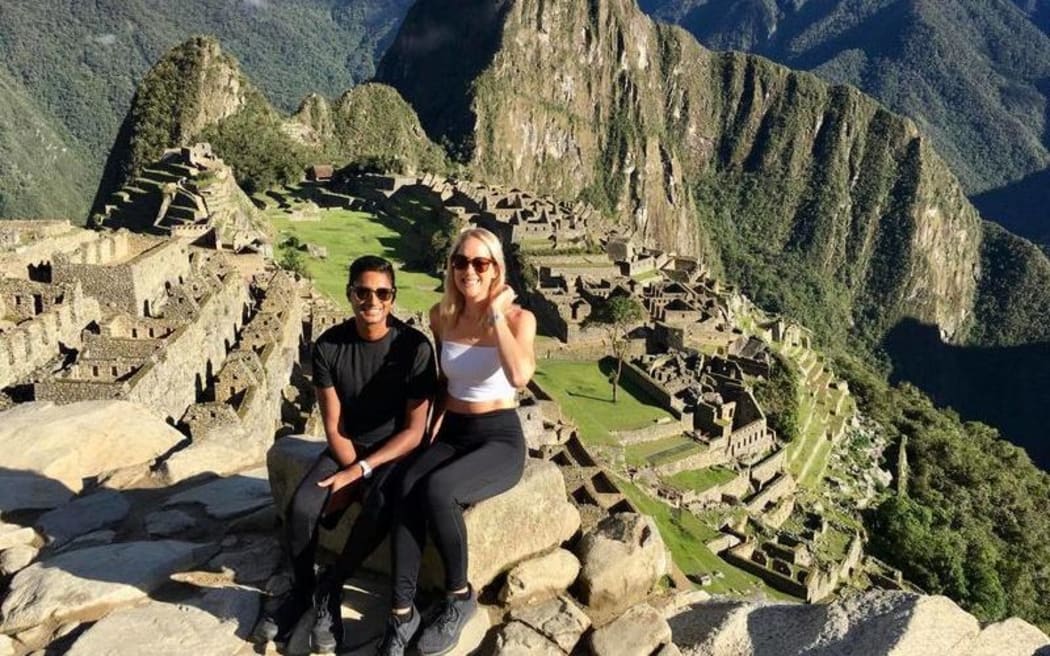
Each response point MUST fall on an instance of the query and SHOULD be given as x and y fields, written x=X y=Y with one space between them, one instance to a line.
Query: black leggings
x=376 y=496
x=474 y=457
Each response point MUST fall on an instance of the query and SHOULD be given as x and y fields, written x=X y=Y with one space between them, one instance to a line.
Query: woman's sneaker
x=442 y=633
x=398 y=634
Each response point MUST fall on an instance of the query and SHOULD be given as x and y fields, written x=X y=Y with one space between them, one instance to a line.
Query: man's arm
x=340 y=445
x=398 y=446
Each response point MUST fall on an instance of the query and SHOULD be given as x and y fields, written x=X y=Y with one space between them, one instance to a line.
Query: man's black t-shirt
x=373 y=380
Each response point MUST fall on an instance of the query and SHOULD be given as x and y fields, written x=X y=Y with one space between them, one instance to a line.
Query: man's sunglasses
x=480 y=264
x=384 y=294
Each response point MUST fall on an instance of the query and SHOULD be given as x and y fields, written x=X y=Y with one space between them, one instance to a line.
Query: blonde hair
x=451 y=306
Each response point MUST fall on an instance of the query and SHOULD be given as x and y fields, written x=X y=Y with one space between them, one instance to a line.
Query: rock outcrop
x=623 y=557
x=69 y=443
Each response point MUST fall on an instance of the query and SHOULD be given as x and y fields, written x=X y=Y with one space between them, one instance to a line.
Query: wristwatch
x=366 y=469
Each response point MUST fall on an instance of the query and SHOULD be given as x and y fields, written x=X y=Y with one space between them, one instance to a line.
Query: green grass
x=347 y=235
x=585 y=395
x=660 y=451
x=701 y=479
x=686 y=537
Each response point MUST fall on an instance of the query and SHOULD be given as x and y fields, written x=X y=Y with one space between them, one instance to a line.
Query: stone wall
x=33 y=343
x=15 y=262
x=137 y=285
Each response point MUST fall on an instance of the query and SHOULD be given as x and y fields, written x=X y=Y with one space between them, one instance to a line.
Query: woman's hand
x=501 y=302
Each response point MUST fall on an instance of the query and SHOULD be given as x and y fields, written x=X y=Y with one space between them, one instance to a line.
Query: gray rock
x=228 y=497
x=531 y=518
x=638 y=632
x=88 y=580
x=7 y=646
x=252 y=560
x=13 y=535
x=517 y=639
x=221 y=454
x=874 y=622
x=544 y=576
x=622 y=557
x=169 y=523
x=20 y=490
x=92 y=539
x=559 y=620
x=207 y=624
x=70 y=443
x=16 y=558
x=83 y=515
x=1012 y=637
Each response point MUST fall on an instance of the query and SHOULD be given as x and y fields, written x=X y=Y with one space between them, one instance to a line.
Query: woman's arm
x=515 y=330
x=442 y=384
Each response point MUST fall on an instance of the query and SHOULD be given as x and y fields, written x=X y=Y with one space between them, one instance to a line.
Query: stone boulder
x=26 y=490
x=16 y=559
x=85 y=440
x=229 y=497
x=544 y=576
x=533 y=517
x=218 y=453
x=13 y=535
x=623 y=557
x=641 y=631
x=82 y=516
x=87 y=581
x=205 y=624
x=517 y=639
x=558 y=620
x=873 y=622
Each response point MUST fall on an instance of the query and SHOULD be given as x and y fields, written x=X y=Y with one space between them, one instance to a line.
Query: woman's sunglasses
x=363 y=294
x=480 y=264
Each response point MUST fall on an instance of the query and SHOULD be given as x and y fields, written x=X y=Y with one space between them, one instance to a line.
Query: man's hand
x=342 y=485
x=342 y=478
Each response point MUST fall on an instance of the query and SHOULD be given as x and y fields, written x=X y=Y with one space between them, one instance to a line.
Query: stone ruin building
x=183 y=330
x=189 y=194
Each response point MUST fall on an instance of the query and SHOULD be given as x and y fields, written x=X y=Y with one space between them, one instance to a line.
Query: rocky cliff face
x=596 y=100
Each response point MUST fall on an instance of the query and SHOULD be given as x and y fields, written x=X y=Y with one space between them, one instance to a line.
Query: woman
x=486 y=353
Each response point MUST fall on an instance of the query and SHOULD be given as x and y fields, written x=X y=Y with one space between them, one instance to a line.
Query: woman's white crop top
x=474 y=372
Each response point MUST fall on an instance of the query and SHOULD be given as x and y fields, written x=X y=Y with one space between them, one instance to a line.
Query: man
x=374 y=377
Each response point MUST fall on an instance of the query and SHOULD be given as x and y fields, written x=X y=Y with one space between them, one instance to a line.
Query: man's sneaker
x=327 y=633
x=278 y=624
x=398 y=635
x=442 y=633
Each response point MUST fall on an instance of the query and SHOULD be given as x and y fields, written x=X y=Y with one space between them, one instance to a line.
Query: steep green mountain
x=974 y=75
x=822 y=203
x=79 y=62
x=41 y=173
x=197 y=92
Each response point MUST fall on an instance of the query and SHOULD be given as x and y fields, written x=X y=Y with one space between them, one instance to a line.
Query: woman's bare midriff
x=478 y=407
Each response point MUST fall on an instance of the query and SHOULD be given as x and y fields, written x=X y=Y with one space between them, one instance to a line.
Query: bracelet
x=366 y=469
x=495 y=317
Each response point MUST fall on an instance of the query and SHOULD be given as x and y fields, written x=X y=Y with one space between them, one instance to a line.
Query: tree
x=619 y=314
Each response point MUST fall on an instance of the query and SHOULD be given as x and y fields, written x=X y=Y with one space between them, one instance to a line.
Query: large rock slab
x=228 y=497
x=16 y=559
x=24 y=490
x=623 y=557
x=532 y=518
x=1012 y=637
x=13 y=535
x=82 y=516
x=537 y=578
x=638 y=632
x=207 y=624
x=559 y=620
x=70 y=443
x=517 y=639
x=874 y=622
x=89 y=580
x=219 y=454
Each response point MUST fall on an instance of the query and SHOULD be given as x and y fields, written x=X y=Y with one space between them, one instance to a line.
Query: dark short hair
x=371 y=263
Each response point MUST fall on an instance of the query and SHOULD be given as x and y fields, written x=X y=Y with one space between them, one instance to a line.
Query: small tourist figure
x=375 y=378
x=485 y=343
